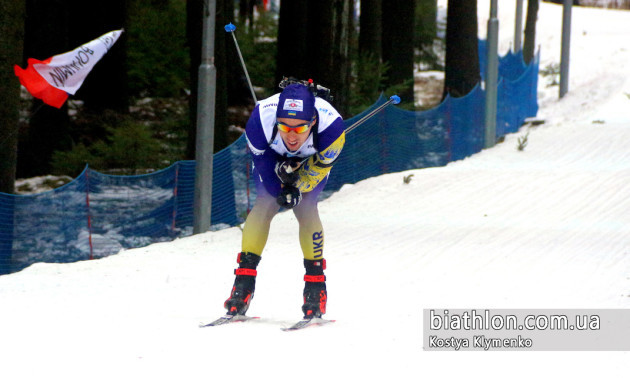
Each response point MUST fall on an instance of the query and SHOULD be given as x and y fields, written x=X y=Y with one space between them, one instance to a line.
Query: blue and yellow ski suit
x=318 y=153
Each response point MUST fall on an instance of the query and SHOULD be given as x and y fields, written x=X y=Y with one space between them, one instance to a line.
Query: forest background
x=136 y=111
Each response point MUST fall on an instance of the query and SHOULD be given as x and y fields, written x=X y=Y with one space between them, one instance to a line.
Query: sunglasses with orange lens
x=298 y=129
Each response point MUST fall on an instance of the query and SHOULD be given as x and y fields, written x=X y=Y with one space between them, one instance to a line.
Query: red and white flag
x=53 y=79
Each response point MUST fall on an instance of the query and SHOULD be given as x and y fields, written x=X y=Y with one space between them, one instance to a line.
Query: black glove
x=287 y=172
x=289 y=197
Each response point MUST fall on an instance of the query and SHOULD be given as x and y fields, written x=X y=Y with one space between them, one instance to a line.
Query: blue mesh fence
x=96 y=214
x=48 y=227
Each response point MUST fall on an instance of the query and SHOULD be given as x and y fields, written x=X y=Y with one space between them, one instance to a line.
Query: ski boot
x=244 y=284
x=315 y=295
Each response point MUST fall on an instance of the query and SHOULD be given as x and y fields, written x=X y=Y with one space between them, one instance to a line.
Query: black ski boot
x=244 y=284
x=315 y=295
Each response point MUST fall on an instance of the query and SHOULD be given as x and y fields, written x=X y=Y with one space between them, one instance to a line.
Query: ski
x=307 y=322
x=304 y=323
x=226 y=319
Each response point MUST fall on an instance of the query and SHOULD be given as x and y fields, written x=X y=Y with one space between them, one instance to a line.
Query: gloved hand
x=287 y=172
x=289 y=197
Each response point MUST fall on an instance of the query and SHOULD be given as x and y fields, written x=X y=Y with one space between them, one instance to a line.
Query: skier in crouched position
x=294 y=139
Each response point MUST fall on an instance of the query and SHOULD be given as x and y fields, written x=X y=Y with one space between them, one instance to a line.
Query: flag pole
x=206 y=96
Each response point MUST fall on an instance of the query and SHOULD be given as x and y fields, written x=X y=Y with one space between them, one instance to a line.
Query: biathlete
x=294 y=138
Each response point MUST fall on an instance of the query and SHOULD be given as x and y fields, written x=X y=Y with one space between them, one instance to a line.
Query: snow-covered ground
x=40 y=184
x=547 y=227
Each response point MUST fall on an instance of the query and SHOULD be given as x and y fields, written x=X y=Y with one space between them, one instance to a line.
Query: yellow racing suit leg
x=311 y=230
x=256 y=228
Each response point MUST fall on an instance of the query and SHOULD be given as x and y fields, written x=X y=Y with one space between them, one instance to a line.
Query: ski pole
x=392 y=100
x=230 y=29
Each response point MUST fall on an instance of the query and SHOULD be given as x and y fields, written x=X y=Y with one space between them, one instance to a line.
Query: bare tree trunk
x=45 y=34
x=371 y=30
x=461 y=72
x=369 y=64
x=340 y=74
x=313 y=43
x=246 y=13
x=398 y=43
x=320 y=39
x=194 y=26
x=426 y=30
x=220 y=61
x=237 y=88
x=329 y=30
x=529 y=45
x=106 y=87
x=292 y=59
x=11 y=51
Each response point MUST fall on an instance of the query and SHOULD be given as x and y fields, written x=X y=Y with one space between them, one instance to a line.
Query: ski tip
x=229 y=318
x=307 y=322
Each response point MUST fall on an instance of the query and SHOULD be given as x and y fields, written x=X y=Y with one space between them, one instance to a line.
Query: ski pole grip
x=395 y=99
x=230 y=27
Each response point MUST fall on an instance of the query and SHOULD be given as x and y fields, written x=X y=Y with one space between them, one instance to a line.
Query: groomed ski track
x=547 y=227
